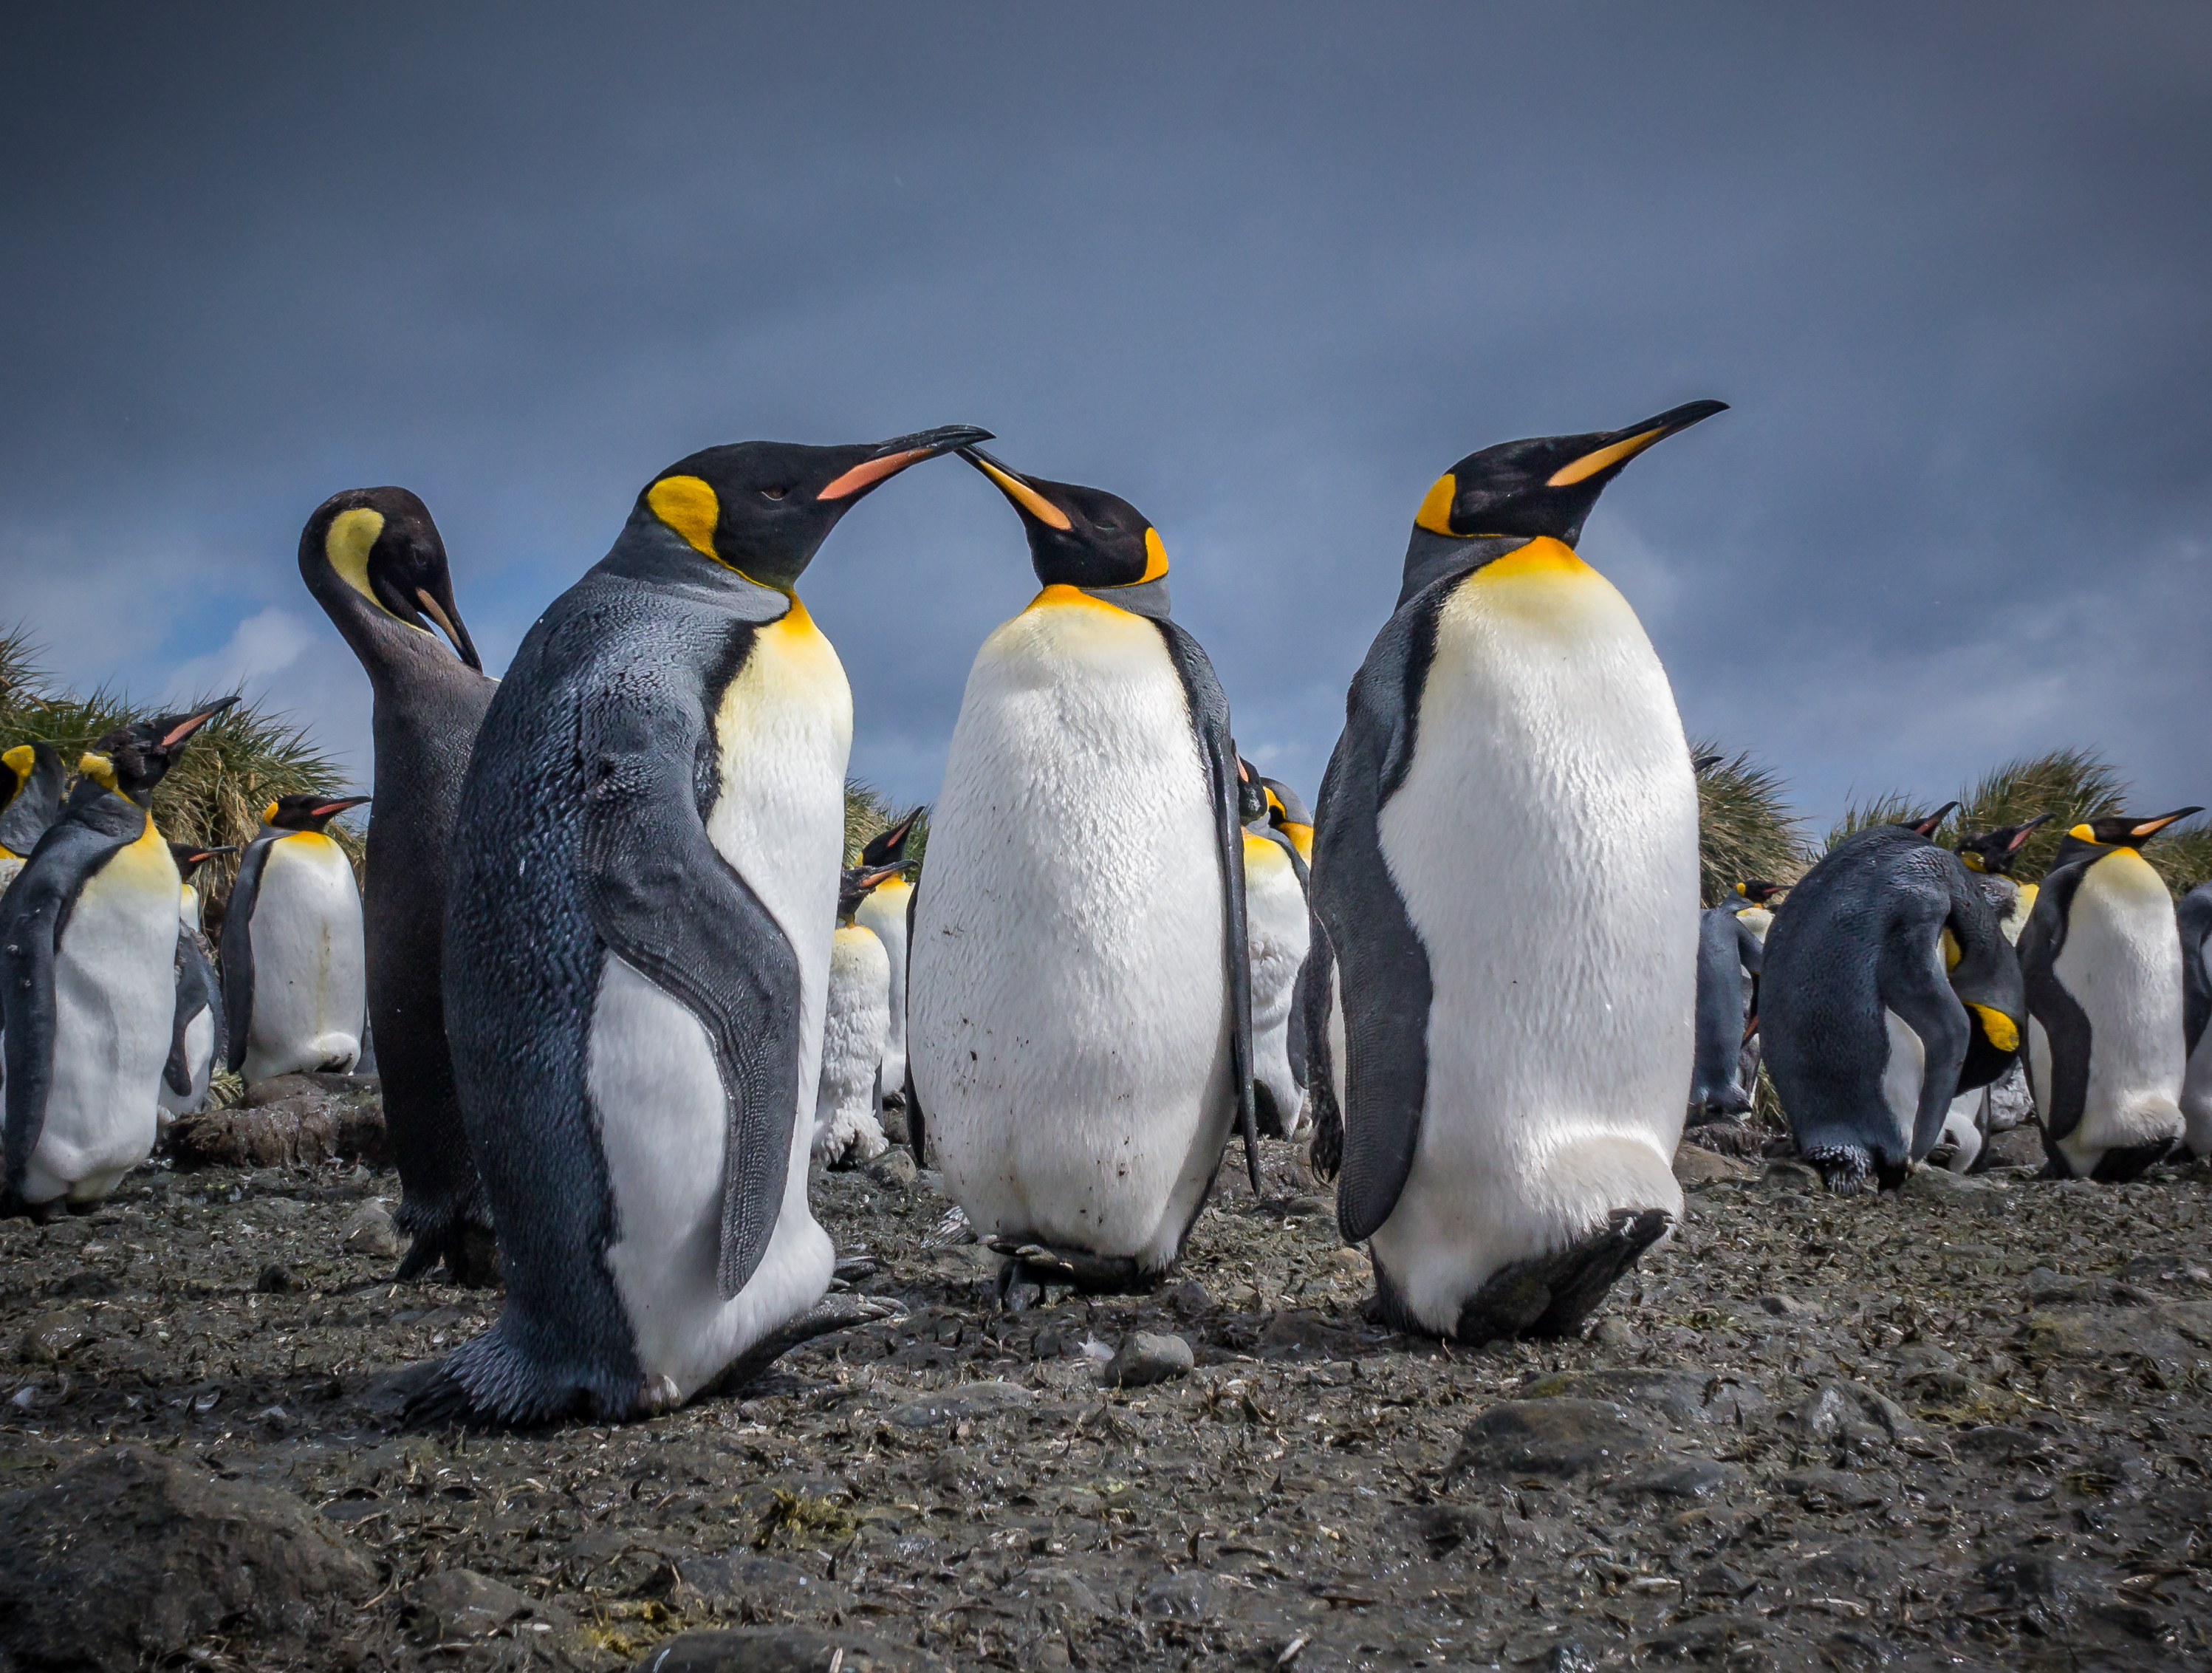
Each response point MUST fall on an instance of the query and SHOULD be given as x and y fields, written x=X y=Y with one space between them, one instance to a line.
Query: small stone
x=1931 y=1181
x=964 y=1400
x=1686 y=1478
x=369 y=1231
x=735 y=1576
x=783 y=1649
x=1786 y=1306
x=1695 y=1166
x=1557 y=1438
x=52 y=1339
x=1780 y=1176
x=1835 y=1487
x=1185 y=1596
x=894 y=1171
x=1144 y=1358
x=276 y=1279
x=2029 y=1577
x=1674 y=1393
x=1188 y=1298
x=1718 y=1580
x=459 y=1604
x=1055 y=1592
x=1353 y=1262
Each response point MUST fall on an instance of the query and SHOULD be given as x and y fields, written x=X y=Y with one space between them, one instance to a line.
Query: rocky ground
x=1969 y=1424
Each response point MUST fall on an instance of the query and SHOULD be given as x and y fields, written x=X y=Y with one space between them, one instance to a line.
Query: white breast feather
x=1277 y=928
x=2122 y=962
x=310 y=982
x=858 y=1014
x=885 y=912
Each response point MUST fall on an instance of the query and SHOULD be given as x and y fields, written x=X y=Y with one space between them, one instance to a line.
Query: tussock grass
x=1745 y=827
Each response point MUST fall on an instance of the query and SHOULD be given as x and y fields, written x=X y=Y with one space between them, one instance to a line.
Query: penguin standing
x=196 y=1039
x=1989 y=854
x=644 y=884
x=1888 y=991
x=2194 y=919
x=1728 y=952
x=87 y=990
x=292 y=984
x=1277 y=921
x=885 y=912
x=31 y=802
x=1079 y=1023
x=373 y=560
x=856 y=1021
x=2105 y=1051
x=1505 y=1065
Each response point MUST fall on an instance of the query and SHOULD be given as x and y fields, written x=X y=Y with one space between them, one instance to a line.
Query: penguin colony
x=624 y=989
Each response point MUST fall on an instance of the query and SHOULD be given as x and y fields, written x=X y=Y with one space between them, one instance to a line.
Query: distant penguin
x=1888 y=991
x=2106 y=1051
x=1754 y=904
x=30 y=800
x=293 y=983
x=638 y=931
x=373 y=560
x=885 y=911
x=88 y=987
x=1505 y=866
x=196 y=1039
x=856 y=1021
x=2194 y=919
x=1080 y=1022
x=1276 y=917
x=1727 y=952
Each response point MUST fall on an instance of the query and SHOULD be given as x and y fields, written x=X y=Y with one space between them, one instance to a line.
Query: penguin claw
x=1077 y=1268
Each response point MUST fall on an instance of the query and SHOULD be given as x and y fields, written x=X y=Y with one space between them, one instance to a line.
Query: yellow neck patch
x=351 y=537
x=1952 y=955
x=1060 y=596
x=1972 y=862
x=688 y=505
x=1542 y=556
x=1997 y=1028
x=1434 y=515
x=99 y=769
x=1301 y=837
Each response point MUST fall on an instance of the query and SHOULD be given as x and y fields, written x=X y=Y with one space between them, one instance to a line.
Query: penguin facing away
x=1502 y=1077
x=644 y=882
x=885 y=912
x=87 y=990
x=1277 y=919
x=1079 y=1023
x=2194 y=919
x=292 y=980
x=1888 y=991
x=30 y=800
x=856 y=1021
x=196 y=1039
x=373 y=560
x=2102 y=958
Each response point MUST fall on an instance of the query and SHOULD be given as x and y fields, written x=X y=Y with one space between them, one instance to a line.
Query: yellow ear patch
x=22 y=758
x=347 y=545
x=97 y=768
x=2082 y=833
x=688 y=505
x=1997 y=1027
x=1973 y=861
x=1604 y=458
x=269 y=814
x=1156 y=557
x=1434 y=515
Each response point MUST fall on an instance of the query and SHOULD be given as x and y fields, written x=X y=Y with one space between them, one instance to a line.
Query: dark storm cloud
x=1264 y=271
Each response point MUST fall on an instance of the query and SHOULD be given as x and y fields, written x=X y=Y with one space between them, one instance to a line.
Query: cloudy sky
x=1263 y=271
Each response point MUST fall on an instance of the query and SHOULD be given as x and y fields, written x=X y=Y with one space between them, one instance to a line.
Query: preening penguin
x=885 y=912
x=373 y=560
x=855 y=1021
x=1080 y=1024
x=292 y=984
x=87 y=992
x=1507 y=1063
x=2194 y=918
x=644 y=887
x=2105 y=1036
x=196 y=1039
x=31 y=776
x=1888 y=991
x=1276 y=921
x=1989 y=855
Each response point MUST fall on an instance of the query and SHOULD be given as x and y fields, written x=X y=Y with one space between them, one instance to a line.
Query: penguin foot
x=840 y=1311
x=1552 y=1294
x=2117 y=1167
x=13 y=1207
x=462 y=1243
x=1028 y=1262
x=1845 y=1168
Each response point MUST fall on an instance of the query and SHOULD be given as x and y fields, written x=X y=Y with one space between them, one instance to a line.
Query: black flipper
x=1209 y=720
x=1310 y=999
x=237 y=948
x=2194 y=919
x=191 y=1000
x=2065 y=1024
x=1909 y=978
x=915 y=1139
x=96 y=826
x=1384 y=985
x=663 y=900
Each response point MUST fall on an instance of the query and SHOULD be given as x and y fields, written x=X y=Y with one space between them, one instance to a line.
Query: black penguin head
x=2096 y=837
x=1757 y=892
x=855 y=884
x=1251 y=792
x=1927 y=827
x=887 y=847
x=307 y=813
x=1079 y=537
x=1993 y=851
x=764 y=508
x=372 y=555
x=132 y=759
x=1543 y=486
x=190 y=857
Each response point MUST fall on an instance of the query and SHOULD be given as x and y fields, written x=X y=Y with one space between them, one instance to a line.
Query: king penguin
x=1506 y=1065
x=2194 y=919
x=2105 y=1036
x=1277 y=920
x=885 y=912
x=88 y=989
x=373 y=560
x=1079 y=1014
x=197 y=1040
x=30 y=800
x=638 y=930
x=293 y=983
x=1728 y=951
x=849 y=1098
x=1888 y=991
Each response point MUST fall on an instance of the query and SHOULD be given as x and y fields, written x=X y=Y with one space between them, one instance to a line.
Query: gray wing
x=662 y=897
x=1383 y=985
x=2194 y=918
x=238 y=947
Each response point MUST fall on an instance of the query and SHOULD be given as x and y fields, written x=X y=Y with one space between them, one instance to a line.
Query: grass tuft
x=1745 y=827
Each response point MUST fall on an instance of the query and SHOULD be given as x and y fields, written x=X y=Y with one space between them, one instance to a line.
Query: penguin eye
x=774 y=493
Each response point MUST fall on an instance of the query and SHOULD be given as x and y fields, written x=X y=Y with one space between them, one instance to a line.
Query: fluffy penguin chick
x=854 y=1024
x=1505 y=864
